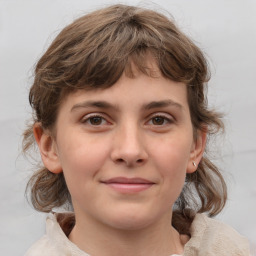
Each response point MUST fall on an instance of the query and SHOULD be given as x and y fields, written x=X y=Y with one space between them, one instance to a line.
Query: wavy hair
x=93 y=52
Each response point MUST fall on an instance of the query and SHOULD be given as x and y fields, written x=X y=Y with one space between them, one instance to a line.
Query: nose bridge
x=129 y=144
x=130 y=133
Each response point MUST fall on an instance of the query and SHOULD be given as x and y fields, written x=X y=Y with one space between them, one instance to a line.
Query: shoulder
x=41 y=247
x=55 y=242
x=211 y=237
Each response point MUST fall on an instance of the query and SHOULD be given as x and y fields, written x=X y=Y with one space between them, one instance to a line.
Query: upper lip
x=125 y=180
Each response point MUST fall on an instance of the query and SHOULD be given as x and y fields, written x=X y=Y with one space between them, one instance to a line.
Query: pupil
x=158 y=120
x=95 y=120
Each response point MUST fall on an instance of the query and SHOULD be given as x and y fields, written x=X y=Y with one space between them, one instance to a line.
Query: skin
x=138 y=128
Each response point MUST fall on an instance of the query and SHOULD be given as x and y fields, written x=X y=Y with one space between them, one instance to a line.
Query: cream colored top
x=209 y=237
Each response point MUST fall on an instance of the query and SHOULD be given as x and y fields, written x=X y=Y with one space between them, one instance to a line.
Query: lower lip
x=128 y=188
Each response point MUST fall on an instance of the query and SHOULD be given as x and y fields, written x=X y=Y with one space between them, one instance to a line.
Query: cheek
x=171 y=160
x=173 y=151
x=81 y=158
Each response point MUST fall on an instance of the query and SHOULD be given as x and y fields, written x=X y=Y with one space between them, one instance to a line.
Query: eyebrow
x=97 y=104
x=162 y=104
x=107 y=105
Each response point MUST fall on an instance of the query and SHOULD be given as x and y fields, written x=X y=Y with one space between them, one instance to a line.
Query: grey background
x=226 y=30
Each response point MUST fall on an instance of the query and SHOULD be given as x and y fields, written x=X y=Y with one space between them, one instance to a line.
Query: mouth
x=128 y=185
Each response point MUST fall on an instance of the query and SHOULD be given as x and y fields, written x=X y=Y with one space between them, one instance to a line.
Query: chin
x=131 y=220
x=131 y=224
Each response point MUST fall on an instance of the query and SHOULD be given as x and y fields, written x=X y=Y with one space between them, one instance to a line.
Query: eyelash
x=88 y=119
x=165 y=119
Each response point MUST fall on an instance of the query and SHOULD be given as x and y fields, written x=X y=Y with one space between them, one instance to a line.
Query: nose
x=129 y=147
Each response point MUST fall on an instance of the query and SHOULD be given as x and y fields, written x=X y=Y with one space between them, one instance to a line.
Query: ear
x=197 y=151
x=48 y=149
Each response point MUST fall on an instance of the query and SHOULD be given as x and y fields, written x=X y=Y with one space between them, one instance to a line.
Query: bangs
x=94 y=52
x=96 y=57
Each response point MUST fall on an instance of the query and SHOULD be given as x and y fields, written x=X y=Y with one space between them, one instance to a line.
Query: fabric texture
x=209 y=237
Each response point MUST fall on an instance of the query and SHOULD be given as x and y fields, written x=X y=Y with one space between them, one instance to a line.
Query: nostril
x=119 y=160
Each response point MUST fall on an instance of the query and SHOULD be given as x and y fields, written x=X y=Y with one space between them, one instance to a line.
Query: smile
x=128 y=185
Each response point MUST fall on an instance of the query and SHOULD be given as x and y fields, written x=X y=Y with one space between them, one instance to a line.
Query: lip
x=128 y=185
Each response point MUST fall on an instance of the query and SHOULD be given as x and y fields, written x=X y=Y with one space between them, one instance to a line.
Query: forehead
x=131 y=92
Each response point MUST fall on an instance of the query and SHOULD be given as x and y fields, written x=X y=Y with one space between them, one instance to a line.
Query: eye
x=160 y=120
x=94 y=120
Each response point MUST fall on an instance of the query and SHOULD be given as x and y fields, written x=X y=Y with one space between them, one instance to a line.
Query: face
x=125 y=150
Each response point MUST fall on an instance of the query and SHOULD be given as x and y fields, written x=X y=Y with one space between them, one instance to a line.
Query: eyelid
x=170 y=119
x=86 y=117
x=162 y=114
x=167 y=116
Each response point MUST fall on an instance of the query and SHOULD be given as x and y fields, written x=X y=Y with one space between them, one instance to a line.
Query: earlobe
x=197 y=151
x=47 y=148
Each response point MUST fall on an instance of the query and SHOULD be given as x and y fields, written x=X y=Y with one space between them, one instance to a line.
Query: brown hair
x=93 y=52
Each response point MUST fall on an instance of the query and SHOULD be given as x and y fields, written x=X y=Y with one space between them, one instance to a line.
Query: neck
x=99 y=239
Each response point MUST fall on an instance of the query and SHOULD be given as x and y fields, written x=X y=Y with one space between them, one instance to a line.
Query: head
x=92 y=54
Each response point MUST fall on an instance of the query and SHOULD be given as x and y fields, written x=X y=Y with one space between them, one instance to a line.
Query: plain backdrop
x=225 y=30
